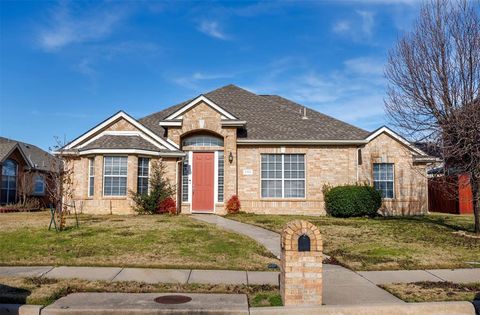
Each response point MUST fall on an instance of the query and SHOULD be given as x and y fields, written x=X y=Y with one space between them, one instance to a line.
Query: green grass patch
x=389 y=243
x=158 y=241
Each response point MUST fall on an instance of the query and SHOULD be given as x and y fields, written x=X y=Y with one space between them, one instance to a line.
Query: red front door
x=203 y=181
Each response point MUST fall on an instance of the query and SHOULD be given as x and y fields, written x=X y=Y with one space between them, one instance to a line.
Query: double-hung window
x=115 y=176
x=142 y=182
x=91 y=176
x=283 y=176
x=383 y=179
x=39 y=185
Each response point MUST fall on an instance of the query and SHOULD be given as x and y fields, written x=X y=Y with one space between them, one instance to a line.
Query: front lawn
x=44 y=291
x=158 y=241
x=434 y=291
x=420 y=242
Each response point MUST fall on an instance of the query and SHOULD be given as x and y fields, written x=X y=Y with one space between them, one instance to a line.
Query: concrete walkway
x=269 y=239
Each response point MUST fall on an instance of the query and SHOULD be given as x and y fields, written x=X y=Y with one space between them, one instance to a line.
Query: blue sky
x=66 y=66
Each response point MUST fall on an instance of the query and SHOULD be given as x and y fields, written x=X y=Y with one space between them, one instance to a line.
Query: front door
x=203 y=182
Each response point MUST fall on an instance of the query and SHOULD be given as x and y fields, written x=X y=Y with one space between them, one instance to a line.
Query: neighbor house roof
x=268 y=117
x=35 y=157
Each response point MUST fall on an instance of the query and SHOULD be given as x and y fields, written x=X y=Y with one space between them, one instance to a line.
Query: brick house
x=25 y=170
x=276 y=155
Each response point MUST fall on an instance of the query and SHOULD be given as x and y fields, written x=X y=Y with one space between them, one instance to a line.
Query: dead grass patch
x=434 y=291
x=44 y=291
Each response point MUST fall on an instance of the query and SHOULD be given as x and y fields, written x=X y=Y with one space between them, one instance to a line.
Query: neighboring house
x=25 y=170
x=276 y=155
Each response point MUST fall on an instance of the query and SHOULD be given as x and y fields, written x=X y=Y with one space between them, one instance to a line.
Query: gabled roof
x=98 y=132
x=35 y=157
x=268 y=117
x=393 y=134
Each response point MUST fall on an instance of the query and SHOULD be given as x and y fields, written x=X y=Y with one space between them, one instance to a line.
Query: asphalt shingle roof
x=122 y=142
x=40 y=159
x=269 y=117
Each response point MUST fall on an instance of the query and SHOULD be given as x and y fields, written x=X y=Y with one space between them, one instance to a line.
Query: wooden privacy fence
x=450 y=194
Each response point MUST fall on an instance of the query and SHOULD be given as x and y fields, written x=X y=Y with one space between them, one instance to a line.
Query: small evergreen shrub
x=167 y=206
x=233 y=205
x=159 y=190
x=352 y=201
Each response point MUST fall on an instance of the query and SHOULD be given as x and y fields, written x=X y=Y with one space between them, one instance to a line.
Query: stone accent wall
x=203 y=119
x=410 y=179
x=301 y=280
x=99 y=204
x=324 y=165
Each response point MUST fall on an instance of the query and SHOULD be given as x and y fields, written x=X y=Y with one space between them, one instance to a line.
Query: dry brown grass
x=158 y=241
x=434 y=291
x=45 y=291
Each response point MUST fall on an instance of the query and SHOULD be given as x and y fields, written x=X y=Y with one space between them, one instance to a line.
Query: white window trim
x=91 y=163
x=384 y=180
x=215 y=179
x=103 y=181
x=283 y=177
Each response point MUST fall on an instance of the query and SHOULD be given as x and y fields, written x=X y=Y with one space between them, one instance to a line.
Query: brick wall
x=99 y=204
x=324 y=165
x=301 y=280
x=410 y=179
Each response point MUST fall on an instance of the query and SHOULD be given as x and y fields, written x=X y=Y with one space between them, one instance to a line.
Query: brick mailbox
x=301 y=264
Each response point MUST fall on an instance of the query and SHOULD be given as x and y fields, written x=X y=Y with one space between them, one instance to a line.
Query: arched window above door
x=203 y=141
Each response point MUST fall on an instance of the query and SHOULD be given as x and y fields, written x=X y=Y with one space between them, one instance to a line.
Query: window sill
x=283 y=199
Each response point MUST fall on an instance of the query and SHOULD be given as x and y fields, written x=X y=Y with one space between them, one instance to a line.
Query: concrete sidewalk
x=269 y=239
x=340 y=285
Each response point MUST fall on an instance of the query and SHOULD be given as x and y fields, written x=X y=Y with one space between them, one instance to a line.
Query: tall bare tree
x=433 y=76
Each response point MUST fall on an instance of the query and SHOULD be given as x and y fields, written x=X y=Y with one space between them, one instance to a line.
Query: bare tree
x=59 y=188
x=433 y=77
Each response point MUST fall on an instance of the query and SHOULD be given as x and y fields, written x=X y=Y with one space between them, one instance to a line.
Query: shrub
x=352 y=201
x=233 y=205
x=167 y=206
x=160 y=189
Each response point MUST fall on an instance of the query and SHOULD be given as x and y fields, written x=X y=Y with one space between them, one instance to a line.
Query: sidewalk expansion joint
x=188 y=278
x=443 y=280
x=121 y=269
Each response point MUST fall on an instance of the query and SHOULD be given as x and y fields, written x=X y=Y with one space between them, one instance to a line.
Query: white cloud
x=212 y=28
x=193 y=81
x=365 y=66
x=70 y=25
x=368 y=21
x=359 y=27
x=341 y=26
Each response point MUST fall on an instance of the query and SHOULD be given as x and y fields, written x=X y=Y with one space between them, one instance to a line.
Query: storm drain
x=173 y=299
